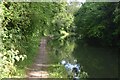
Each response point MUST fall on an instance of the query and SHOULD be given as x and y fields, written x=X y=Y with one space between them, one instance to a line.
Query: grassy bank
x=31 y=54
x=56 y=69
x=31 y=47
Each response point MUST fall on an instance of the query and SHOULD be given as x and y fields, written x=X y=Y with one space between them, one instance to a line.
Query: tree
x=95 y=22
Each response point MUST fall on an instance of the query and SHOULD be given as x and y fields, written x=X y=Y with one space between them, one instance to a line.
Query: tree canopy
x=98 y=22
x=24 y=24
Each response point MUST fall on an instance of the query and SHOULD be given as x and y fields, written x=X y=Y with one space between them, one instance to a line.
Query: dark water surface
x=98 y=62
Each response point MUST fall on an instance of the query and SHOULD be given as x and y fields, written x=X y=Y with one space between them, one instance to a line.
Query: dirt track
x=38 y=69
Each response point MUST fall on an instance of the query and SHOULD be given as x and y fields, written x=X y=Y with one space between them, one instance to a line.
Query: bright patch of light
x=83 y=1
x=79 y=1
x=63 y=62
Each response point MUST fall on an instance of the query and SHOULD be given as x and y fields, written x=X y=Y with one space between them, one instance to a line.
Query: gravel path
x=38 y=69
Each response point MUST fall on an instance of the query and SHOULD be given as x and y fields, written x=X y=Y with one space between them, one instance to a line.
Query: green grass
x=32 y=46
x=98 y=62
x=23 y=65
x=57 y=71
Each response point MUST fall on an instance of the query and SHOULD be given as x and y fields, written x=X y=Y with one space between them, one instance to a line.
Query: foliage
x=116 y=20
x=62 y=26
x=97 y=22
x=57 y=71
x=62 y=43
x=24 y=24
x=13 y=29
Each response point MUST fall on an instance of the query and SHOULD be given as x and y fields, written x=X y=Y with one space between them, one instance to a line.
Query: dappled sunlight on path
x=39 y=68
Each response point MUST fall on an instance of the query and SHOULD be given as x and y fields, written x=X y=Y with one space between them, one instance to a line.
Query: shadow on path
x=39 y=67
